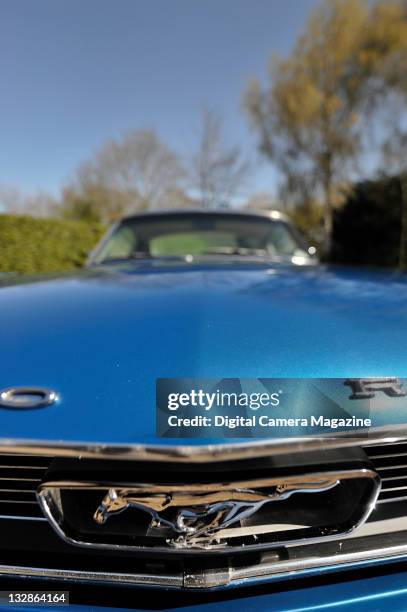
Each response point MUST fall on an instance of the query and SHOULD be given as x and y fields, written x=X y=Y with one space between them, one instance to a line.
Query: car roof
x=268 y=214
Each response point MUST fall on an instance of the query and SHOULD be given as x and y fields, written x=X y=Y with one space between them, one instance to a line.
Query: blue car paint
x=102 y=337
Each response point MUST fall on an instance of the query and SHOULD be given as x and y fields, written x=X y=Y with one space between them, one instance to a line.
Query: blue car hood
x=102 y=337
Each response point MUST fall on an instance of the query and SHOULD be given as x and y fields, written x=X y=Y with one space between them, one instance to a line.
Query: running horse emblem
x=202 y=510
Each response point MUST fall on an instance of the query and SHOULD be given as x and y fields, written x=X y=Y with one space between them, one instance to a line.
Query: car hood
x=102 y=337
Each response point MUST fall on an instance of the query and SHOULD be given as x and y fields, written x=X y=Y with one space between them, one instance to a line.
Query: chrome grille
x=31 y=548
x=20 y=476
x=390 y=462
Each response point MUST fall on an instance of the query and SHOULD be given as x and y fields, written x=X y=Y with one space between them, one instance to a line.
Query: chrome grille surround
x=206 y=452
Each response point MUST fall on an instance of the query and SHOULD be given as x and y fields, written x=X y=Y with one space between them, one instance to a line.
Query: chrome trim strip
x=391 y=467
x=23 y=518
x=266 y=571
x=107 y=577
x=21 y=479
x=18 y=501
x=205 y=452
x=388 y=456
x=391 y=500
x=23 y=467
x=2 y=490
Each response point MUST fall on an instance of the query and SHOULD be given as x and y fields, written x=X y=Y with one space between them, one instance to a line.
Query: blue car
x=204 y=417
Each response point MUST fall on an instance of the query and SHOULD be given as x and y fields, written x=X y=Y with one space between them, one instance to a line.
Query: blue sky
x=76 y=72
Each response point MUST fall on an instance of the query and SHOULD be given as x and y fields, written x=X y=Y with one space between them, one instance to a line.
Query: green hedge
x=30 y=245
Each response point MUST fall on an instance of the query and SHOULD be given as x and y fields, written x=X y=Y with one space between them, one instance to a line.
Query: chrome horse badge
x=201 y=511
x=151 y=516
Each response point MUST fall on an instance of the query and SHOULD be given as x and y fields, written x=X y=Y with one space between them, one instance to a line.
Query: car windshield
x=200 y=235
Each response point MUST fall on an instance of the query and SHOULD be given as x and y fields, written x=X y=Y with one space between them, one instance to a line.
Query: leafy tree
x=308 y=218
x=77 y=207
x=307 y=119
x=387 y=49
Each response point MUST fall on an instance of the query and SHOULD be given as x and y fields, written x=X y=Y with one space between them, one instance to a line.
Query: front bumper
x=364 y=594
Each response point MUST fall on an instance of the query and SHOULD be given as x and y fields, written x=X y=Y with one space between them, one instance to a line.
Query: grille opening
x=390 y=462
x=20 y=476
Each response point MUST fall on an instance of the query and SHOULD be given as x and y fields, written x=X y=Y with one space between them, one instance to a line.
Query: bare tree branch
x=135 y=172
x=218 y=172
